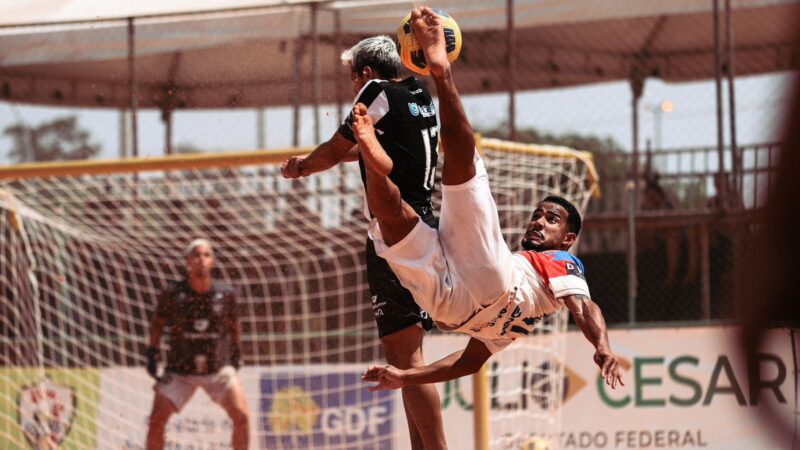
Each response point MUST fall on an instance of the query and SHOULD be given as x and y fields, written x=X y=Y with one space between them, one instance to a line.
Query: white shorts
x=465 y=264
x=179 y=388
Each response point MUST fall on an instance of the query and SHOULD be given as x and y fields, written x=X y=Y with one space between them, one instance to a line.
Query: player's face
x=548 y=229
x=200 y=261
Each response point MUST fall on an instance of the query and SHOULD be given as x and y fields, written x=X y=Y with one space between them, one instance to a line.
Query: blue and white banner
x=298 y=410
x=291 y=407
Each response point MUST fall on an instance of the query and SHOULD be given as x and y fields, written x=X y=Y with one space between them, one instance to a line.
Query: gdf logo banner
x=334 y=409
x=45 y=411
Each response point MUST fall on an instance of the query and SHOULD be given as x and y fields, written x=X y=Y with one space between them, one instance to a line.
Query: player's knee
x=403 y=348
x=158 y=421
x=162 y=411
x=238 y=416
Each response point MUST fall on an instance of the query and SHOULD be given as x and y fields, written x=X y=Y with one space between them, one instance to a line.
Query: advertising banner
x=327 y=410
x=322 y=406
x=685 y=388
x=48 y=408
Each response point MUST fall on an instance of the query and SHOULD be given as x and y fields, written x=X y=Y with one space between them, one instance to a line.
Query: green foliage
x=57 y=140
x=610 y=159
x=577 y=141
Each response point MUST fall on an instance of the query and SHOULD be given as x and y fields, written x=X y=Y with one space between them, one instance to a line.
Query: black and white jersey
x=405 y=123
x=200 y=327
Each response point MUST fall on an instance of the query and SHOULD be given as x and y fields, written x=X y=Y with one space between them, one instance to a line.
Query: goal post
x=85 y=248
x=526 y=380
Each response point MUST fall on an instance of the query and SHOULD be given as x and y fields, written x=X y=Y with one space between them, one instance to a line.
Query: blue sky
x=602 y=109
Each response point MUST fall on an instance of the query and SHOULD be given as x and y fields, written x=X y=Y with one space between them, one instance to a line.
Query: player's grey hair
x=197 y=243
x=377 y=52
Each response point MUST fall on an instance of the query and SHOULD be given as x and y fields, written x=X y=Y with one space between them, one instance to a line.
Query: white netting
x=83 y=258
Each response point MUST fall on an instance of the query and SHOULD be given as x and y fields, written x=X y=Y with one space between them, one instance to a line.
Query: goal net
x=85 y=248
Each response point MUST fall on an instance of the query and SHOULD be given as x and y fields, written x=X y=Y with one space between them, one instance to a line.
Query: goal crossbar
x=254 y=157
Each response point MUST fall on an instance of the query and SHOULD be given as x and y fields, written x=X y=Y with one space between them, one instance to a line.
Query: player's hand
x=609 y=367
x=152 y=361
x=291 y=167
x=387 y=377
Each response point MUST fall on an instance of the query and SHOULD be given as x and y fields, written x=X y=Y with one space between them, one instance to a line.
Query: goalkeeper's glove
x=152 y=361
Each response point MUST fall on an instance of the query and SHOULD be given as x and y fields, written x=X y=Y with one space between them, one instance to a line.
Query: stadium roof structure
x=247 y=53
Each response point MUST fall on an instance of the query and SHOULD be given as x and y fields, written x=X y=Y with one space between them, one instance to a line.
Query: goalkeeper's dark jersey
x=405 y=123
x=199 y=327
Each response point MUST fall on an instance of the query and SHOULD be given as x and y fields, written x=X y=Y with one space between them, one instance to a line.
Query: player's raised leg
x=455 y=131
x=395 y=216
x=468 y=213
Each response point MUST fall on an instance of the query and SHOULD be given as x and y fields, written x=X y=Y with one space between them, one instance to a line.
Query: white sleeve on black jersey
x=374 y=98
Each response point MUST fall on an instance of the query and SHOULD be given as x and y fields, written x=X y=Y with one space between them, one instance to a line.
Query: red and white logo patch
x=45 y=412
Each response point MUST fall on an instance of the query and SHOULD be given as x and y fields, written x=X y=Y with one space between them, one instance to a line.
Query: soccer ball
x=410 y=52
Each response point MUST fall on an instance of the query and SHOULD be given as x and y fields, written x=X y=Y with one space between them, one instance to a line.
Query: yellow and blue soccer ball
x=410 y=52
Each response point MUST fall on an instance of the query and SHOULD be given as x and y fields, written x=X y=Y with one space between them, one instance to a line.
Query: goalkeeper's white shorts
x=179 y=388
x=464 y=265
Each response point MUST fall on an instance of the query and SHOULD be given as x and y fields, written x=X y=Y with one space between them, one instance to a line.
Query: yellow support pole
x=480 y=408
x=172 y=162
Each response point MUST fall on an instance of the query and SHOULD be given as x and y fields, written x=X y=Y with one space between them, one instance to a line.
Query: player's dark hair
x=574 y=222
x=379 y=53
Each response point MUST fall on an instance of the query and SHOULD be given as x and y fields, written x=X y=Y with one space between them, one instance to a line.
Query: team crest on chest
x=216 y=304
x=201 y=325
x=414 y=108
x=427 y=110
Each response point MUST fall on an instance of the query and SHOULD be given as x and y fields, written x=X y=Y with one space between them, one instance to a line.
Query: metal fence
x=691 y=226
x=687 y=179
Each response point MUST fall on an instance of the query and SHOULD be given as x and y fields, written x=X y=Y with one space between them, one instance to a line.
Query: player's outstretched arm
x=590 y=320
x=328 y=154
x=458 y=364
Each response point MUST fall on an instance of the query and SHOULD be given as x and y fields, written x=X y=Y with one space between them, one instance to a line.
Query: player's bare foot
x=375 y=157
x=427 y=28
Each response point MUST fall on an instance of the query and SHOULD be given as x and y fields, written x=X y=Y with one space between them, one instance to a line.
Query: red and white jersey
x=562 y=272
x=553 y=274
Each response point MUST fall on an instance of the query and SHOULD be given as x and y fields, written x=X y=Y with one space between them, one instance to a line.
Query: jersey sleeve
x=567 y=276
x=562 y=271
x=374 y=98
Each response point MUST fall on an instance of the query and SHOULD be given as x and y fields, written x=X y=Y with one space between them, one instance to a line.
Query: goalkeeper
x=204 y=347
x=463 y=273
